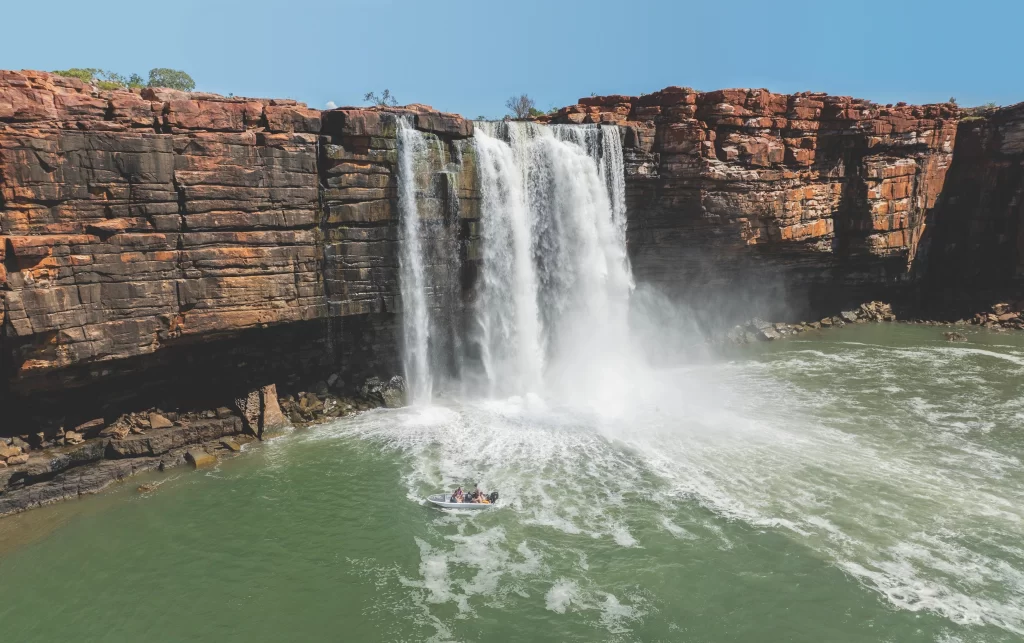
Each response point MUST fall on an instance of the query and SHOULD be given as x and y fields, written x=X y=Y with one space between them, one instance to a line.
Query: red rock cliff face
x=133 y=225
x=773 y=201
x=133 y=222
x=976 y=241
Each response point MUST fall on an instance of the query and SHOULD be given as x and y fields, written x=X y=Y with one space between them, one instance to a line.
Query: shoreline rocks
x=47 y=467
x=1001 y=317
x=759 y=330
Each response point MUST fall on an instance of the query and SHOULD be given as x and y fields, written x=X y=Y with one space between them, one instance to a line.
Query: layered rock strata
x=173 y=250
x=136 y=222
x=778 y=203
x=179 y=251
x=975 y=245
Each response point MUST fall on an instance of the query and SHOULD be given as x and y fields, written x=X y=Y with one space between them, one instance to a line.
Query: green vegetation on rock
x=172 y=78
x=384 y=100
x=109 y=80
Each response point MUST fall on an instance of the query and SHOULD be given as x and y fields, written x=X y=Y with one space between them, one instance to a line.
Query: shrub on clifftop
x=171 y=78
x=107 y=80
x=384 y=100
x=521 y=107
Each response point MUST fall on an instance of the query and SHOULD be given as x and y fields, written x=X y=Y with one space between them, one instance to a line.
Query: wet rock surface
x=70 y=464
x=1001 y=317
x=760 y=330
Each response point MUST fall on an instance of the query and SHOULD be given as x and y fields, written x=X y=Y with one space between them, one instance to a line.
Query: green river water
x=862 y=484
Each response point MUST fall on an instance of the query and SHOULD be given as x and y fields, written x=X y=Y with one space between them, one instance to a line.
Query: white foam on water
x=561 y=595
x=615 y=616
x=886 y=462
x=928 y=514
x=676 y=530
x=960 y=350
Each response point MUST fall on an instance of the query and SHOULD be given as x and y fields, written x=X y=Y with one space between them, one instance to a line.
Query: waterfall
x=508 y=314
x=551 y=301
x=555 y=285
x=415 y=319
x=429 y=258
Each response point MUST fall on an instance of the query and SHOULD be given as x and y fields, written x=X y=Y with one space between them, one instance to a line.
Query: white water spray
x=554 y=296
x=429 y=258
x=415 y=318
x=507 y=311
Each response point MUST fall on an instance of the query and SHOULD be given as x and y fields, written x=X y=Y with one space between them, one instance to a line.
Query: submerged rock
x=953 y=336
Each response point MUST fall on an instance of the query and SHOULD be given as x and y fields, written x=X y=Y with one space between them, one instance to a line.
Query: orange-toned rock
x=131 y=222
x=832 y=191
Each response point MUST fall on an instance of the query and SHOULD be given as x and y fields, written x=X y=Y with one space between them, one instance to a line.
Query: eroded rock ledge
x=41 y=468
x=777 y=204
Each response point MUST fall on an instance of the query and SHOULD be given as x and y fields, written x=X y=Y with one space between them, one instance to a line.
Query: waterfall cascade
x=429 y=257
x=551 y=301
x=555 y=276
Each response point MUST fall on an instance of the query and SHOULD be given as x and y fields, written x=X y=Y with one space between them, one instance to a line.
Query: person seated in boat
x=477 y=494
x=458 y=496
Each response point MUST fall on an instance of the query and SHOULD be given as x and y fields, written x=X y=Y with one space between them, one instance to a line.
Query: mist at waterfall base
x=853 y=485
x=594 y=398
x=553 y=316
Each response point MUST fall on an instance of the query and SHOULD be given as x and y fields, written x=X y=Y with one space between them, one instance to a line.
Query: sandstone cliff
x=975 y=245
x=777 y=203
x=158 y=245
x=135 y=222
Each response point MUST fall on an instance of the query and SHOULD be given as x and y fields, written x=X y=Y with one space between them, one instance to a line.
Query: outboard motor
x=493 y=497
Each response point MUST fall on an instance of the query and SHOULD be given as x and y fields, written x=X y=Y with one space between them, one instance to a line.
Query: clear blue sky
x=468 y=57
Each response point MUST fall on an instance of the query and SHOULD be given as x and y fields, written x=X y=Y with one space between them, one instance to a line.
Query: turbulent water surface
x=864 y=484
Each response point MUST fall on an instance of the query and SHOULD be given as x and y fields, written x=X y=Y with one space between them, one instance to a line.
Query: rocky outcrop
x=134 y=221
x=41 y=468
x=757 y=329
x=975 y=243
x=1002 y=316
x=135 y=226
x=170 y=261
x=82 y=466
x=784 y=204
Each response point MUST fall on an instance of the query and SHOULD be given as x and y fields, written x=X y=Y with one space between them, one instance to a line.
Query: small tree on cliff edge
x=171 y=78
x=384 y=100
x=521 y=107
